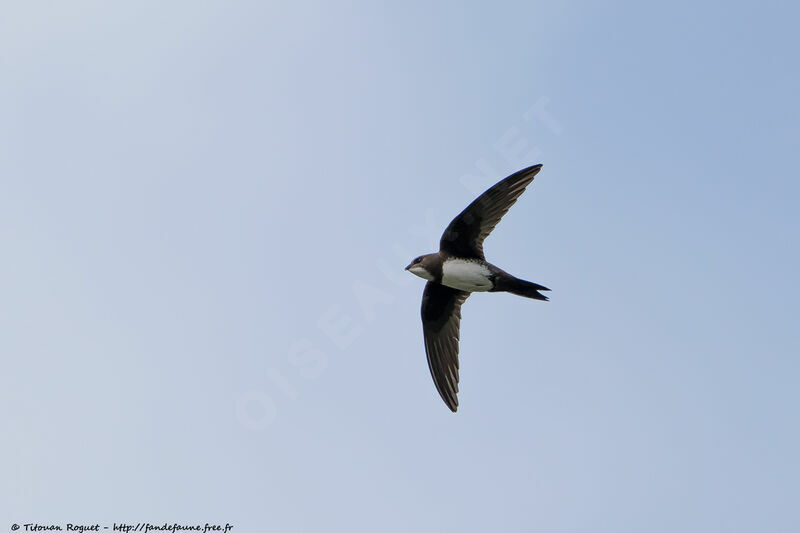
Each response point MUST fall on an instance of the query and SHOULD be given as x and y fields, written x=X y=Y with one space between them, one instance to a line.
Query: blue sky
x=206 y=208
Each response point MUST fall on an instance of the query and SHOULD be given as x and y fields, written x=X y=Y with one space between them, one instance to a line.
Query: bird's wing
x=441 y=318
x=465 y=234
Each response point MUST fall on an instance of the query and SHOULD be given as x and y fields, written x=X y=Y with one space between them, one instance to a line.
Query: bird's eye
x=418 y=259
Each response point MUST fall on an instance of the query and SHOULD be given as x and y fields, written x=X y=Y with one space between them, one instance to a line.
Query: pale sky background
x=206 y=208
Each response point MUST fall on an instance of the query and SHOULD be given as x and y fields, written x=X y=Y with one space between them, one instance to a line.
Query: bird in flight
x=460 y=268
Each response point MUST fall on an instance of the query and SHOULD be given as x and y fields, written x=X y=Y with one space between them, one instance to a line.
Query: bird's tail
x=520 y=287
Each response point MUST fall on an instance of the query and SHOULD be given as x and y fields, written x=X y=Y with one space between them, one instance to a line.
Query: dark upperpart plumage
x=462 y=243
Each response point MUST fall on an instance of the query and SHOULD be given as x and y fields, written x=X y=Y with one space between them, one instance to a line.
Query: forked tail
x=521 y=287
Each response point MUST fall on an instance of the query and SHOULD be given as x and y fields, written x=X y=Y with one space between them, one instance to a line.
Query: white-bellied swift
x=460 y=268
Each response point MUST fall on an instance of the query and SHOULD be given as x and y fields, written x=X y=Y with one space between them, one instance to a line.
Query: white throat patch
x=421 y=272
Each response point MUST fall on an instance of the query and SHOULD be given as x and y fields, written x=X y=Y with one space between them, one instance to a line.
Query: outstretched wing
x=441 y=318
x=465 y=234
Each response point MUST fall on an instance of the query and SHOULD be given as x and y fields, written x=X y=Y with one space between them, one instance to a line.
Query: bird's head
x=422 y=266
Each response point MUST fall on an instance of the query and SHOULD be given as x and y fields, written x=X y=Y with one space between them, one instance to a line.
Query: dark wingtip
x=451 y=402
x=527 y=172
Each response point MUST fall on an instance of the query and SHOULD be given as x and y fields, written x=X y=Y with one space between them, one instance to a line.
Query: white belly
x=466 y=275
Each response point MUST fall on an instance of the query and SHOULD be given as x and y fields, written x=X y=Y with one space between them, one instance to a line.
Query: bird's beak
x=409 y=266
